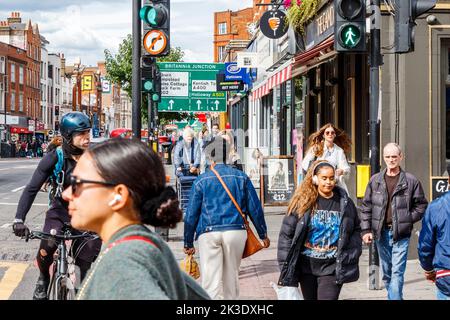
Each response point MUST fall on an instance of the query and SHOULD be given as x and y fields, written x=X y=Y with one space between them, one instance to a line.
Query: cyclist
x=57 y=166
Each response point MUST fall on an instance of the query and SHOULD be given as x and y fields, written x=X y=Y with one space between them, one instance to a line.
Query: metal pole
x=136 y=70
x=374 y=125
x=150 y=121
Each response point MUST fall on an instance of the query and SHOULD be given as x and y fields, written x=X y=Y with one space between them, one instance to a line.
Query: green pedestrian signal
x=147 y=85
x=350 y=36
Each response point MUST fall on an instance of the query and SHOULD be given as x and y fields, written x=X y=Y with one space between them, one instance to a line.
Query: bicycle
x=61 y=286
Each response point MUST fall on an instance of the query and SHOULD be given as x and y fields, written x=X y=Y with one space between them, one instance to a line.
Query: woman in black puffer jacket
x=319 y=243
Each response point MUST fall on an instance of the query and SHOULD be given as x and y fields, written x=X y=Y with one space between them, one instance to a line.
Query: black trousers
x=319 y=288
x=87 y=250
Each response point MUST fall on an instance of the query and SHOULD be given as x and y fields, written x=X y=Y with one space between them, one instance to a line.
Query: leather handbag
x=252 y=245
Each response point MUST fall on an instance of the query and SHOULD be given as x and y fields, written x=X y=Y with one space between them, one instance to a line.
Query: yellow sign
x=362 y=179
x=86 y=83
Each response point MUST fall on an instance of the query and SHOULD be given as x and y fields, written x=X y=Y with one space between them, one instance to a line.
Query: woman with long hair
x=330 y=143
x=319 y=243
x=117 y=200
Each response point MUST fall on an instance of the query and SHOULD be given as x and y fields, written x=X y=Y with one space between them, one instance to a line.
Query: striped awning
x=273 y=81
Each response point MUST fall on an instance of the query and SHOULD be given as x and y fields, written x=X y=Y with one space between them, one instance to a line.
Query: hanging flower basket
x=300 y=12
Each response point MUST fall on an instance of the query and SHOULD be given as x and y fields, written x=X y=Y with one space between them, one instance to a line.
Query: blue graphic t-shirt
x=323 y=229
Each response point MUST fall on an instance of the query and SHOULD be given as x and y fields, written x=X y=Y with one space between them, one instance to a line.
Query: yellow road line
x=12 y=277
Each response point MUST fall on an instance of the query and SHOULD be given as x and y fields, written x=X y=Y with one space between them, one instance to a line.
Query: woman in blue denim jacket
x=216 y=223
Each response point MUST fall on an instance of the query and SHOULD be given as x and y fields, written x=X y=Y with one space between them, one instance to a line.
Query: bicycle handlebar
x=58 y=237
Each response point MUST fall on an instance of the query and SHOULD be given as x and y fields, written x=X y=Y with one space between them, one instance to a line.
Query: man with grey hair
x=187 y=154
x=393 y=202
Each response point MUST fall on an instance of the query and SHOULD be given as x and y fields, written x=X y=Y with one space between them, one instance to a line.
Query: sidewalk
x=260 y=269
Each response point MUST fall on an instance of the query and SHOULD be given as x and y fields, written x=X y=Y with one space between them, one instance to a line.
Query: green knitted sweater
x=137 y=270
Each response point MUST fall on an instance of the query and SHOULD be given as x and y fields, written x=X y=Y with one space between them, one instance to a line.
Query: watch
x=18 y=221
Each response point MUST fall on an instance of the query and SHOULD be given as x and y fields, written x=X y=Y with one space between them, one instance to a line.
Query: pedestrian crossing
x=11 y=277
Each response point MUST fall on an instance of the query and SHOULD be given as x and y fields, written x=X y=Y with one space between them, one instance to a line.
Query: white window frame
x=222 y=28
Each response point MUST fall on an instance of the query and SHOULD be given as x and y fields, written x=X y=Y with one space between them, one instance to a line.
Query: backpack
x=57 y=177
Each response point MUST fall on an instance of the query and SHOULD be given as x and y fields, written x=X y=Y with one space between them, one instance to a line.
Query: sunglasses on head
x=75 y=182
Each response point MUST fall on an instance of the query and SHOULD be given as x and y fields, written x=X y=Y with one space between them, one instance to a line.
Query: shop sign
x=439 y=186
x=321 y=27
x=273 y=24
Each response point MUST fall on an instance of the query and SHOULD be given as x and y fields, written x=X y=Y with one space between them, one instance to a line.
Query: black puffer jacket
x=408 y=205
x=292 y=238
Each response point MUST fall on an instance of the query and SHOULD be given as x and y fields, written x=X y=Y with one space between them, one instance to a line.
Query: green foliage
x=119 y=70
x=299 y=15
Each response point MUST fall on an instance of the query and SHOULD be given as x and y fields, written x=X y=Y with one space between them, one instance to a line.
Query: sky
x=83 y=28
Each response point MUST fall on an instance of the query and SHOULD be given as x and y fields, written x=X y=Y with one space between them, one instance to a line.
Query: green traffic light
x=350 y=36
x=153 y=15
x=148 y=85
x=155 y=97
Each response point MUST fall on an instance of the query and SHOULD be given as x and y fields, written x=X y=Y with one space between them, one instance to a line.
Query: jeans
x=393 y=257
x=440 y=295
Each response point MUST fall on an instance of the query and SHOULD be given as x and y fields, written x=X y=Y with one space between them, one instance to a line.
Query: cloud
x=86 y=28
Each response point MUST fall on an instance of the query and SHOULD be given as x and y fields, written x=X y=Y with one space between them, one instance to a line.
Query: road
x=17 y=272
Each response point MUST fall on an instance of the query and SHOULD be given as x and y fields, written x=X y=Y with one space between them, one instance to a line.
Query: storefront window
x=447 y=110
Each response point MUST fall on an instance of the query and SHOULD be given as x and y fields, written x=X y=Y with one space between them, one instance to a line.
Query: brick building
x=21 y=46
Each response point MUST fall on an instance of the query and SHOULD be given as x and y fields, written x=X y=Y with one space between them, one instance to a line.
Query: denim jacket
x=211 y=209
x=434 y=240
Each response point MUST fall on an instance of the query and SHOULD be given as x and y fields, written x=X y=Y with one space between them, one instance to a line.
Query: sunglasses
x=330 y=133
x=75 y=182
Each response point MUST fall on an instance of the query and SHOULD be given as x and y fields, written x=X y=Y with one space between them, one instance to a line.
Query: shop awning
x=273 y=80
x=313 y=57
x=14 y=129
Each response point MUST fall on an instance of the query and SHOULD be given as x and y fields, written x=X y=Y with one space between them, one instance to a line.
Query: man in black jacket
x=393 y=202
x=75 y=129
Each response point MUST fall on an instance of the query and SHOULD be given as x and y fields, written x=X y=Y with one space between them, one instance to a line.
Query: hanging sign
x=273 y=24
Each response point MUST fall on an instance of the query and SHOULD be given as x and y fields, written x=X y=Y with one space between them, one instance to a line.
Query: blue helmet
x=73 y=122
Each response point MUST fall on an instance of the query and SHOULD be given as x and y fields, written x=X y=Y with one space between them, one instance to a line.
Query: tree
x=119 y=70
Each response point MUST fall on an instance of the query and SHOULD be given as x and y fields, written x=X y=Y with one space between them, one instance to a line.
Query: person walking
x=434 y=244
x=319 y=244
x=187 y=155
x=394 y=200
x=217 y=224
x=57 y=165
x=135 y=262
x=330 y=143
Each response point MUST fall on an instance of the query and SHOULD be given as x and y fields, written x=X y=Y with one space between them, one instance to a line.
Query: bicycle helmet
x=73 y=122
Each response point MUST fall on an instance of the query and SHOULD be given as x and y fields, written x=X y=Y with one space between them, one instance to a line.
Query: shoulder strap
x=131 y=238
x=60 y=163
x=229 y=194
x=192 y=151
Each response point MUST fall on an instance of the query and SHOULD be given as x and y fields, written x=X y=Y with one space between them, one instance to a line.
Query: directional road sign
x=191 y=87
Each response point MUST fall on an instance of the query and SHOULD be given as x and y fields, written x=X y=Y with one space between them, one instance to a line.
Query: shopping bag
x=287 y=293
x=190 y=266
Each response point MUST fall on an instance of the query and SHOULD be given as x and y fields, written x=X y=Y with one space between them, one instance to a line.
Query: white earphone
x=116 y=199
x=315 y=180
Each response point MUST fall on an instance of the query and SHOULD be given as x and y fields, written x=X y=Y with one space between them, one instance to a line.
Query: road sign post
x=191 y=87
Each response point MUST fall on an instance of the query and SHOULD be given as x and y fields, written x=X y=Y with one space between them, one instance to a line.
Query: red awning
x=304 y=57
x=274 y=80
x=19 y=130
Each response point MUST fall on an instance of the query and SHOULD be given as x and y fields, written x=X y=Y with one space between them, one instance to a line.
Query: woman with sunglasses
x=329 y=143
x=116 y=200
x=319 y=243
x=56 y=167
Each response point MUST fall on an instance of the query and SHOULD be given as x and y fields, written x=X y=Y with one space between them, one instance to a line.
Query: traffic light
x=156 y=75
x=146 y=73
x=350 y=25
x=156 y=25
x=406 y=12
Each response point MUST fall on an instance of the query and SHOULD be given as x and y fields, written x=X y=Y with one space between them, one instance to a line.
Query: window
x=20 y=74
x=13 y=100
x=223 y=28
x=221 y=53
x=13 y=72
x=21 y=102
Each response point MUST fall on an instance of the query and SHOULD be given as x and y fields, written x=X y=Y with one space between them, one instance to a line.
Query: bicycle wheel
x=51 y=291
x=64 y=289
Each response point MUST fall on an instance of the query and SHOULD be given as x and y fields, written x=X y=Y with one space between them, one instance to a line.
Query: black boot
x=40 y=292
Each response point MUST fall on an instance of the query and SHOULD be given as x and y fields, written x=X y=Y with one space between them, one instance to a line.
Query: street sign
x=191 y=87
x=155 y=42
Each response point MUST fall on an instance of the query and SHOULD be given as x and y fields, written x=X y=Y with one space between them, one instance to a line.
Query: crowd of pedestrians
x=320 y=240
x=29 y=148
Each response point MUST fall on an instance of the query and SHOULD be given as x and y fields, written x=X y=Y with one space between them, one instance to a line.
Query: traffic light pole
x=374 y=125
x=136 y=70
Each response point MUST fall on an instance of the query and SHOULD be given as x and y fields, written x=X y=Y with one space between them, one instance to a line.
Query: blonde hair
x=316 y=140
x=305 y=197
